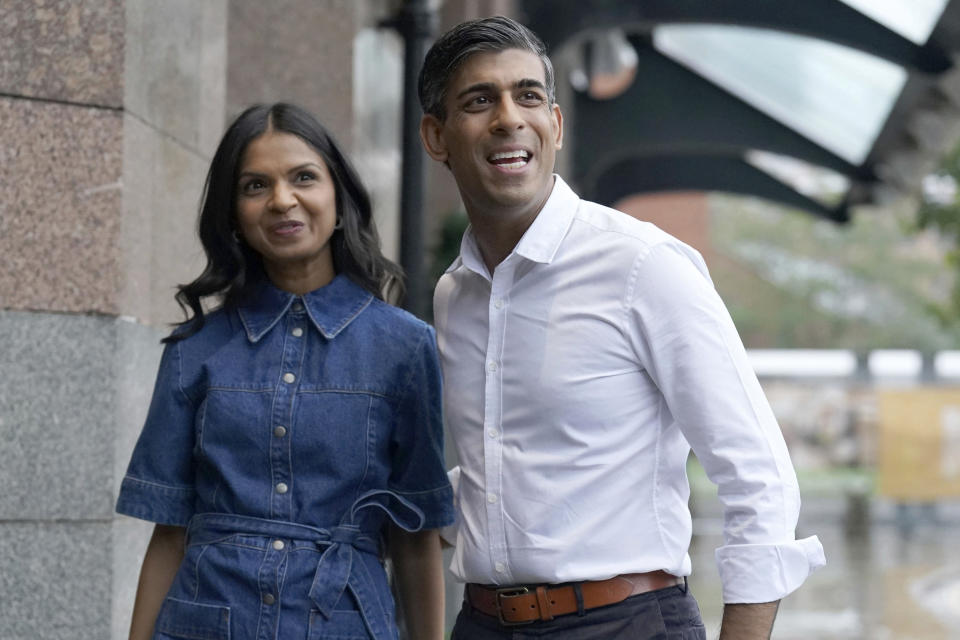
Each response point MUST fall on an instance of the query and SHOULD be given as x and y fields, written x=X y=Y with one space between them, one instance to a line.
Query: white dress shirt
x=574 y=379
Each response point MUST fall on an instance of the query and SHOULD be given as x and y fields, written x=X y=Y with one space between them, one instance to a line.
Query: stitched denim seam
x=159 y=485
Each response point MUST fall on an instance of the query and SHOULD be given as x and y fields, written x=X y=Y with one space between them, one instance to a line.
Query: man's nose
x=508 y=116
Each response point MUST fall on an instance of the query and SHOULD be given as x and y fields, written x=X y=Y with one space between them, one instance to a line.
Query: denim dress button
x=268 y=598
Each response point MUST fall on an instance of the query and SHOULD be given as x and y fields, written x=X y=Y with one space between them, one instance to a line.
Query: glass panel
x=913 y=19
x=836 y=96
x=823 y=185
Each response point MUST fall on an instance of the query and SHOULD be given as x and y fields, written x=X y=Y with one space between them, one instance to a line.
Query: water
x=890 y=574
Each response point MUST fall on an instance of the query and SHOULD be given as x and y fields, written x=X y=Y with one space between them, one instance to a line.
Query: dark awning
x=733 y=95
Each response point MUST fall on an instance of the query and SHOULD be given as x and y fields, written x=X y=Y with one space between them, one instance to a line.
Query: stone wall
x=109 y=111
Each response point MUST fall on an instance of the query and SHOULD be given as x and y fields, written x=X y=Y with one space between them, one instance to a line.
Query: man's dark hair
x=234 y=270
x=453 y=48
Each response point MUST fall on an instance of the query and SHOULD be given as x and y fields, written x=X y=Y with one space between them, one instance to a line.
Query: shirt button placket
x=493 y=444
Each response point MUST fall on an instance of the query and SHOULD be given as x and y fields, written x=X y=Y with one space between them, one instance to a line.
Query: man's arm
x=748 y=621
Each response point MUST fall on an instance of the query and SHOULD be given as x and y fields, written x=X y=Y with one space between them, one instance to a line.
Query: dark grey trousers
x=665 y=614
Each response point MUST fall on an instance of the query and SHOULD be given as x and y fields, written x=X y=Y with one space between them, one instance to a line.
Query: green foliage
x=791 y=280
x=944 y=216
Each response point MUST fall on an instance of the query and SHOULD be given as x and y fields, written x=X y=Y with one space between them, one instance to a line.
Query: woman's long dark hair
x=233 y=269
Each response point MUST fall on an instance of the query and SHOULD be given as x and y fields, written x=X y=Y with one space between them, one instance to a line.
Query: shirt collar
x=330 y=308
x=541 y=240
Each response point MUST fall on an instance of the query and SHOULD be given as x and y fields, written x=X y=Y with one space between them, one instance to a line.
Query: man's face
x=501 y=133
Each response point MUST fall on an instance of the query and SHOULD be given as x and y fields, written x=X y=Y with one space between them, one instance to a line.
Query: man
x=582 y=351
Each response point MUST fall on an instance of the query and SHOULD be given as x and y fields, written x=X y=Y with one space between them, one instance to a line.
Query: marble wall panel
x=163 y=184
x=175 y=68
x=60 y=194
x=65 y=50
x=57 y=396
x=294 y=50
x=55 y=580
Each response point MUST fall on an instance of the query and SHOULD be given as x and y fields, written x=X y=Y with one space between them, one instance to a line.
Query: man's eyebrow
x=530 y=83
x=476 y=88
x=525 y=83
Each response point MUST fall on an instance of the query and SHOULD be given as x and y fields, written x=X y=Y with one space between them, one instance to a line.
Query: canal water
x=893 y=572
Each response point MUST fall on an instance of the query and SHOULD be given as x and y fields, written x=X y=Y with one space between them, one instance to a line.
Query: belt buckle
x=510 y=591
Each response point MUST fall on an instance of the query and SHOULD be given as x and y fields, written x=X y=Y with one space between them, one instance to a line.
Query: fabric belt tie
x=338 y=567
x=524 y=604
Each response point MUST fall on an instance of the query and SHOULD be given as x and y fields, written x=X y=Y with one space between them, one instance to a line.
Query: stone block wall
x=109 y=111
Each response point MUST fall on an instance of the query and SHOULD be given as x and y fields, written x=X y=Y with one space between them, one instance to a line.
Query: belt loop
x=543 y=604
x=578 y=593
x=685 y=586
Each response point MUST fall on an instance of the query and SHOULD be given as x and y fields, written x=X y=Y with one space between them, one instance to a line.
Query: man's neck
x=497 y=232
x=495 y=238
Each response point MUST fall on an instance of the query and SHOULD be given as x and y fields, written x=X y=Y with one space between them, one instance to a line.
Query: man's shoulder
x=612 y=225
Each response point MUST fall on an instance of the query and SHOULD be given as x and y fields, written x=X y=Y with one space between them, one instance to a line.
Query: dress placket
x=281 y=428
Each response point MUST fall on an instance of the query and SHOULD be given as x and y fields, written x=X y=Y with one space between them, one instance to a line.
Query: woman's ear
x=431 y=135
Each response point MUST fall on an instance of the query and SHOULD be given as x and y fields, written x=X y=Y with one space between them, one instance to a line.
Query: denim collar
x=331 y=308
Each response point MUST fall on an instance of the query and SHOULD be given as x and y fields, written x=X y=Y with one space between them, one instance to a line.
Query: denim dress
x=284 y=435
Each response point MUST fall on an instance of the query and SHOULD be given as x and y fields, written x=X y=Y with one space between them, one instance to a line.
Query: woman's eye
x=251 y=186
x=306 y=176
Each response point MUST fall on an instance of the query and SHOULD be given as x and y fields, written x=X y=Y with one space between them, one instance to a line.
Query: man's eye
x=478 y=101
x=531 y=97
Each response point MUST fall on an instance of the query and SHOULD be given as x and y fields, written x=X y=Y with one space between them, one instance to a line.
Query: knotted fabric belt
x=338 y=567
x=528 y=603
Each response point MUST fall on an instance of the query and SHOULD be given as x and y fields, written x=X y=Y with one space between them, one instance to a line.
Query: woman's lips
x=286 y=228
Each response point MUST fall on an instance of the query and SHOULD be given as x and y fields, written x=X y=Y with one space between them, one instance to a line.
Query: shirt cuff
x=753 y=573
x=449 y=533
x=436 y=505
x=158 y=503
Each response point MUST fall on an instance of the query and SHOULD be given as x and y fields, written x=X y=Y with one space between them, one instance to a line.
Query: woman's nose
x=282 y=197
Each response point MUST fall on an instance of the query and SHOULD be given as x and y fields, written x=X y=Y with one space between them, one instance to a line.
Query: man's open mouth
x=510 y=159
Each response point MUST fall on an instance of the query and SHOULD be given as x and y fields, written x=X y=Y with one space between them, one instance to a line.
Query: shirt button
x=492 y=366
x=493 y=433
x=499 y=303
x=491 y=498
x=281 y=487
x=297 y=332
x=289 y=377
x=268 y=598
x=279 y=431
x=500 y=567
x=278 y=545
x=297 y=306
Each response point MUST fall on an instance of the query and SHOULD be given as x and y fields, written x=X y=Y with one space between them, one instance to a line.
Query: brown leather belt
x=528 y=603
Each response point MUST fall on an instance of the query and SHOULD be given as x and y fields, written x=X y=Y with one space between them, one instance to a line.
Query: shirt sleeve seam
x=159 y=485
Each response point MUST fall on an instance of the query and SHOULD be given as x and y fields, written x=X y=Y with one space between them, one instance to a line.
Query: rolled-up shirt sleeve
x=159 y=483
x=686 y=340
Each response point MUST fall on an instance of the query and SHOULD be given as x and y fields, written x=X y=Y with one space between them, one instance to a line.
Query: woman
x=296 y=426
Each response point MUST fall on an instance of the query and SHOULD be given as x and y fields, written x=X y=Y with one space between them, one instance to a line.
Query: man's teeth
x=519 y=158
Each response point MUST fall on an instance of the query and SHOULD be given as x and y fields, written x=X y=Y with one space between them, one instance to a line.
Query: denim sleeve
x=418 y=472
x=159 y=483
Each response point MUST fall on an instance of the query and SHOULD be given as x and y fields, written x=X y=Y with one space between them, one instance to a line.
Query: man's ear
x=431 y=135
x=558 y=126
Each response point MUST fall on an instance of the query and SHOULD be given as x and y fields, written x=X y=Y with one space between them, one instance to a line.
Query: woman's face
x=287 y=208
